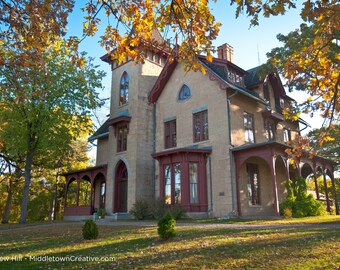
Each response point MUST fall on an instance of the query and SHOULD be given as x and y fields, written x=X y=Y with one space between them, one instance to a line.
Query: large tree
x=45 y=104
x=308 y=60
x=331 y=147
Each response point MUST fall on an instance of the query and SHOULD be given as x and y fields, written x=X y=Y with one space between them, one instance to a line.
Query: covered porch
x=85 y=191
x=261 y=171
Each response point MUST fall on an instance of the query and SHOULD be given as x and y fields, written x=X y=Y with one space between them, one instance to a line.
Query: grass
x=133 y=247
x=306 y=220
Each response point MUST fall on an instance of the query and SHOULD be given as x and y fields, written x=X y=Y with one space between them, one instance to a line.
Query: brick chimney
x=226 y=52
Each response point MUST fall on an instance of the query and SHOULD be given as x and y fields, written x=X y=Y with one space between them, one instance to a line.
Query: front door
x=121 y=188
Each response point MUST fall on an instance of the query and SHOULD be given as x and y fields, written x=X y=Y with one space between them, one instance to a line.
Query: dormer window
x=124 y=89
x=184 y=93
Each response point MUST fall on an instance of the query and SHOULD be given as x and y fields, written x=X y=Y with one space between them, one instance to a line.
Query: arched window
x=184 y=93
x=124 y=89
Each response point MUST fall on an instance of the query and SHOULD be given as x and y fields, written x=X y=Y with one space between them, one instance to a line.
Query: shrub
x=166 y=226
x=301 y=204
x=101 y=212
x=90 y=230
x=141 y=209
x=177 y=211
x=333 y=210
x=287 y=213
x=156 y=209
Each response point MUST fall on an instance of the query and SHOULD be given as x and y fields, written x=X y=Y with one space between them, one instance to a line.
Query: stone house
x=214 y=143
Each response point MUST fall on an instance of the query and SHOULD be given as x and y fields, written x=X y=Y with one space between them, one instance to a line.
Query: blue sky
x=250 y=43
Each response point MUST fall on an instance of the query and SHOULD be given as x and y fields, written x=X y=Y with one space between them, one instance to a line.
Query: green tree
x=308 y=59
x=45 y=106
x=330 y=148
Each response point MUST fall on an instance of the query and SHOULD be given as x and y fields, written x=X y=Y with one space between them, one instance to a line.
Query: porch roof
x=206 y=150
x=277 y=146
x=88 y=169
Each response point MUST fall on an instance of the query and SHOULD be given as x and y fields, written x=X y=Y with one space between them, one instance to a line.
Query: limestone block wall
x=266 y=190
x=102 y=151
x=239 y=105
x=206 y=94
x=137 y=158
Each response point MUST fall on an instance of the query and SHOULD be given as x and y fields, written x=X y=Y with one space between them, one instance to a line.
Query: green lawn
x=133 y=247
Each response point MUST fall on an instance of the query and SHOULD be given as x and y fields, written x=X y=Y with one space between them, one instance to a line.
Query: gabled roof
x=162 y=79
x=252 y=78
x=101 y=132
x=217 y=69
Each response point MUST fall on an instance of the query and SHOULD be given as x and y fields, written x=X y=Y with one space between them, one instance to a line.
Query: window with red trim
x=172 y=181
x=170 y=136
x=122 y=132
x=200 y=125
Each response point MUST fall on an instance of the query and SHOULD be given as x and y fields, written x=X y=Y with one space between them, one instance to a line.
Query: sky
x=250 y=43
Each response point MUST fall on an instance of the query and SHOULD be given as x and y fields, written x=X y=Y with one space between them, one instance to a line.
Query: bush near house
x=299 y=202
x=101 y=212
x=156 y=209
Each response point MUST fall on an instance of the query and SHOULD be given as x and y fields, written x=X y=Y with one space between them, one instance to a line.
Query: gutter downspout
x=154 y=125
x=231 y=155
x=210 y=210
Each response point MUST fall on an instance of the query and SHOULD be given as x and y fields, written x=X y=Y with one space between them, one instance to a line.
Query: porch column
x=316 y=183
x=92 y=197
x=237 y=175
x=78 y=188
x=276 y=197
x=334 y=192
x=185 y=193
x=326 y=191
x=66 y=191
x=286 y=163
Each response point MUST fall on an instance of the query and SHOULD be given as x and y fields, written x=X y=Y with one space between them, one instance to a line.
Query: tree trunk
x=7 y=210
x=5 y=216
x=52 y=206
x=25 y=195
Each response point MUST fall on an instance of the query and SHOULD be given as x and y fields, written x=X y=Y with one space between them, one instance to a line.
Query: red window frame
x=200 y=126
x=170 y=134
x=122 y=131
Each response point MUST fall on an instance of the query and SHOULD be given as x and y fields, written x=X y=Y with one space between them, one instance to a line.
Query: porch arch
x=254 y=176
x=71 y=193
x=282 y=175
x=99 y=191
x=84 y=191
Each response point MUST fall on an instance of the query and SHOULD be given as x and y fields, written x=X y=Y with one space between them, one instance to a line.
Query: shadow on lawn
x=192 y=248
